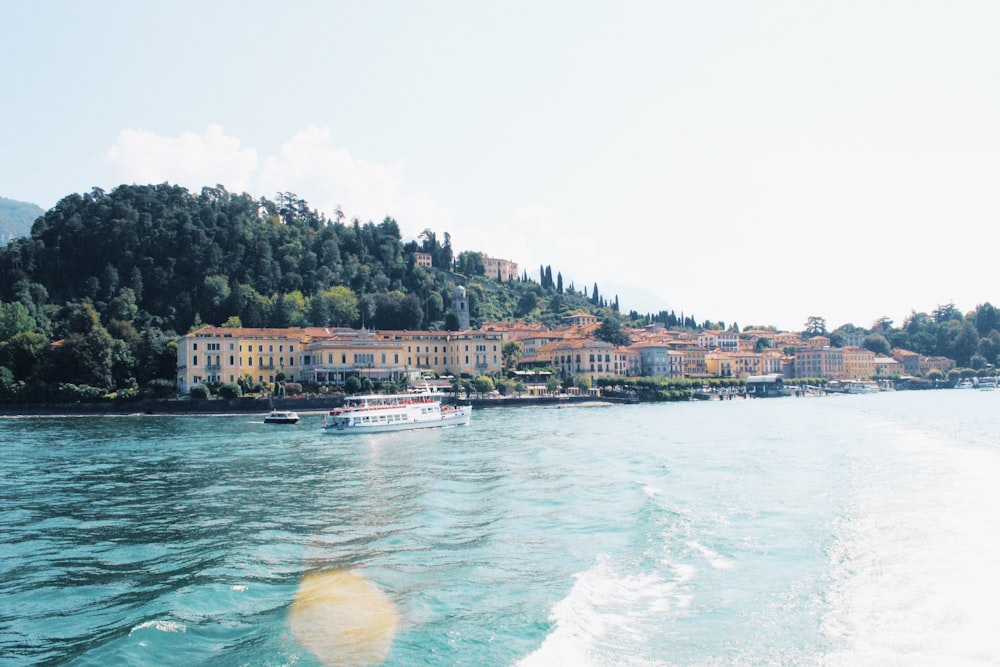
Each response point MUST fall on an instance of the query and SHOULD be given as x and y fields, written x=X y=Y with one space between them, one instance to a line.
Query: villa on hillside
x=502 y=269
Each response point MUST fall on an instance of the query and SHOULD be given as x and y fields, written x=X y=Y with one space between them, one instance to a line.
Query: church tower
x=460 y=306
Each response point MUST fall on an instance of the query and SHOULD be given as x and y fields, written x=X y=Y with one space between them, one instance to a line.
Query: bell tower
x=460 y=306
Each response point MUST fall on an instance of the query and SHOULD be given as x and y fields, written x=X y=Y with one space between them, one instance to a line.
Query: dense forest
x=93 y=300
x=112 y=278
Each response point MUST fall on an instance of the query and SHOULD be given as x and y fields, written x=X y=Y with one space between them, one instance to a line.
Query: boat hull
x=281 y=417
x=456 y=417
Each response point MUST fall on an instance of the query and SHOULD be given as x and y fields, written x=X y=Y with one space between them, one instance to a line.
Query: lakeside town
x=541 y=359
x=276 y=300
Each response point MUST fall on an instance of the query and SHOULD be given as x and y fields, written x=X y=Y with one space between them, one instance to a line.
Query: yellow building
x=859 y=363
x=587 y=357
x=219 y=354
x=694 y=359
x=719 y=364
x=330 y=356
x=473 y=352
x=356 y=353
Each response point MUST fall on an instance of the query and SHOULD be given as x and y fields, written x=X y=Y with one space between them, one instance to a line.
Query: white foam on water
x=161 y=626
x=604 y=610
x=915 y=565
x=238 y=587
x=714 y=558
x=652 y=491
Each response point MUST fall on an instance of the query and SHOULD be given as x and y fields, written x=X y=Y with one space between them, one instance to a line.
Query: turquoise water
x=850 y=530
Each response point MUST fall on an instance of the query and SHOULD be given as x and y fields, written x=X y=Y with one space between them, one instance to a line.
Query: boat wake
x=608 y=618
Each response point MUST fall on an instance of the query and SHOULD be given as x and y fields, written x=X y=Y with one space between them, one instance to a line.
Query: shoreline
x=250 y=406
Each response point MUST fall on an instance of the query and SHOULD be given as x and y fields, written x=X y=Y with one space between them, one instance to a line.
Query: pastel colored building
x=819 y=362
x=330 y=356
x=659 y=360
x=220 y=354
x=589 y=357
x=859 y=363
x=504 y=269
x=711 y=339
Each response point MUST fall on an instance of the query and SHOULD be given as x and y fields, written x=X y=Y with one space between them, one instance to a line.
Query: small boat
x=281 y=417
x=859 y=387
x=378 y=413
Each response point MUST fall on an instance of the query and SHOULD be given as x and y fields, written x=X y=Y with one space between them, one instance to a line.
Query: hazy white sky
x=756 y=162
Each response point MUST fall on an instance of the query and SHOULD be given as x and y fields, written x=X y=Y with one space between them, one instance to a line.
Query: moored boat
x=378 y=413
x=281 y=417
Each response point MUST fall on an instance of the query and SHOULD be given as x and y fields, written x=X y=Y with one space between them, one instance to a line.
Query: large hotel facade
x=330 y=356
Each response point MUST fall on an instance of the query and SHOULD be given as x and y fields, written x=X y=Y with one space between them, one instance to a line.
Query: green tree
x=9 y=387
x=946 y=312
x=511 y=354
x=610 y=331
x=966 y=343
x=483 y=384
x=89 y=355
x=290 y=310
x=988 y=350
x=877 y=343
x=987 y=319
x=15 y=318
x=815 y=326
x=343 y=305
x=230 y=390
x=22 y=353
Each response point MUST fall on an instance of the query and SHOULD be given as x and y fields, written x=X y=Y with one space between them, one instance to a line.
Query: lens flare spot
x=343 y=619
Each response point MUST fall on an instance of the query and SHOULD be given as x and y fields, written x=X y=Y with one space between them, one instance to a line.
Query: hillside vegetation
x=116 y=276
x=93 y=300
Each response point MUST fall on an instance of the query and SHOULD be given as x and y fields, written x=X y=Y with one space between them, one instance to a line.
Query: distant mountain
x=16 y=218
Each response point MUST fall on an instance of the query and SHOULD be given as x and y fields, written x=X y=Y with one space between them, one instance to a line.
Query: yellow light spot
x=343 y=618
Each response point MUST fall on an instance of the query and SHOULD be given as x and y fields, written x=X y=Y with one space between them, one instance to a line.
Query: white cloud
x=192 y=160
x=308 y=164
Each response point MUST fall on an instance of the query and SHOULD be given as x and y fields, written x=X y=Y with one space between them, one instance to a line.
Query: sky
x=755 y=163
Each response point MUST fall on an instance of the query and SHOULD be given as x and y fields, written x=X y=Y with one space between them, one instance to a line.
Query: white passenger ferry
x=377 y=413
